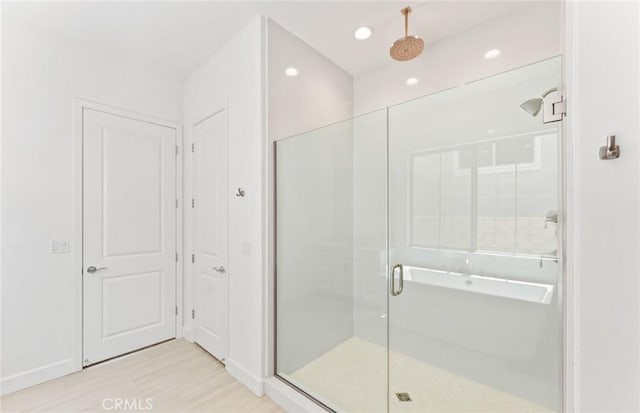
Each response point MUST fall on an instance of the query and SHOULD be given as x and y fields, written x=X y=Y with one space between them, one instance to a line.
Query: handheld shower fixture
x=407 y=47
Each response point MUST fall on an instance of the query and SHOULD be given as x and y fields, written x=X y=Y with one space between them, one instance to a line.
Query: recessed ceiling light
x=291 y=71
x=492 y=54
x=362 y=33
x=412 y=81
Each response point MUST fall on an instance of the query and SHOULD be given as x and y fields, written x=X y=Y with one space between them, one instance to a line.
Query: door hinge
x=193 y=203
x=193 y=147
x=176 y=257
x=193 y=258
x=176 y=203
x=560 y=108
x=176 y=149
x=176 y=310
x=193 y=314
x=555 y=107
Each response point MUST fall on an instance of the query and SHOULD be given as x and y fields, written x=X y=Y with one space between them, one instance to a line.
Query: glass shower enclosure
x=419 y=254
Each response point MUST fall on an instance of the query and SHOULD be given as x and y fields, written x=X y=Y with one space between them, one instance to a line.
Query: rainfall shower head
x=407 y=47
x=533 y=106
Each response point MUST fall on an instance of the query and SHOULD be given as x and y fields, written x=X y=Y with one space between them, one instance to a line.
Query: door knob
x=93 y=269
x=220 y=269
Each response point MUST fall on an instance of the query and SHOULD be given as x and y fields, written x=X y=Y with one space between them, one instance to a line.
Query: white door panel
x=132 y=301
x=129 y=231
x=210 y=289
x=211 y=235
x=120 y=221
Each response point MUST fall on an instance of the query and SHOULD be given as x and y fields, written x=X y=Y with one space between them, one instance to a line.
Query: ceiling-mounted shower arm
x=405 y=12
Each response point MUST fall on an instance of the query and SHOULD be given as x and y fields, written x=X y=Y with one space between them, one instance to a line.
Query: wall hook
x=610 y=150
x=240 y=192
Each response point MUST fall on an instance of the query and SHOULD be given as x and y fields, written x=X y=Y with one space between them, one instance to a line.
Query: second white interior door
x=211 y=272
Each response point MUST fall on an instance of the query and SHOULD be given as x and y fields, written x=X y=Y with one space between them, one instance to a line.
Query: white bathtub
x=498 y=287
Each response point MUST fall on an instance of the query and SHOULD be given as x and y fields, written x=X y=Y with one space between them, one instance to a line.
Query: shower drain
x=403 y=397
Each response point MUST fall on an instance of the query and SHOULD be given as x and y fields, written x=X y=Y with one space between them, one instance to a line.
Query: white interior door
x=129 y=234
x=211 y=294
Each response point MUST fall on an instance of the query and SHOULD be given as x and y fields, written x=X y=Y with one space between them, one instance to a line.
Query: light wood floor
x=176 y=376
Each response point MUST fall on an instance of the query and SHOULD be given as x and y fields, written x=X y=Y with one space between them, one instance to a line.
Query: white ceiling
x=176 y=37
x=329 y=27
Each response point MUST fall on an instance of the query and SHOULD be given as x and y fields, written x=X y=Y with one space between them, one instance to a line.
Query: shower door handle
x=392 y=282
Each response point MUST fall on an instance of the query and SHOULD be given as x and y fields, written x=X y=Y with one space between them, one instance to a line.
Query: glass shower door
x=474 y=200
x=331 y=288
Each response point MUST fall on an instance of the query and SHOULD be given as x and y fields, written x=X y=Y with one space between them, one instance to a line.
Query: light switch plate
x=246 y=248
x=59 y=246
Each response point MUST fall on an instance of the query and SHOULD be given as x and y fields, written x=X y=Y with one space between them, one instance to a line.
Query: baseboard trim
x=288 y=398
x=38 y=375
x=253 y=383
x=187 y=333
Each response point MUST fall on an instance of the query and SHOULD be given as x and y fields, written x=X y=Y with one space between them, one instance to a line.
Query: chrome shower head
x=532 y=106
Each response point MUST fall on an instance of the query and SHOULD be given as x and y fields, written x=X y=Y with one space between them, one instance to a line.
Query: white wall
x=604 y=200
x=321 y=94
x=233 y=76
x=524 y=36
x=41 y=74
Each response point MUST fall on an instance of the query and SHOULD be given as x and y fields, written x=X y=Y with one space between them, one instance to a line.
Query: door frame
x=79 y=105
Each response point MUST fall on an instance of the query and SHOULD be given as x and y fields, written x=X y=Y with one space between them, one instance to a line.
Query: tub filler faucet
x=549 y=255
x=468 y=267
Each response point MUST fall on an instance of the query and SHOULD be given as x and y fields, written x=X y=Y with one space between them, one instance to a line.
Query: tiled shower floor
x=352 y=377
